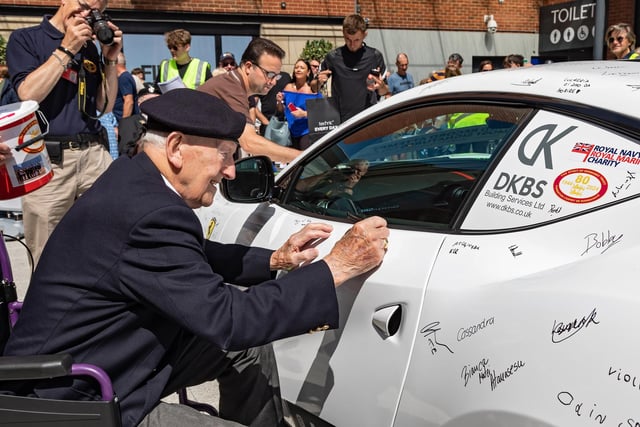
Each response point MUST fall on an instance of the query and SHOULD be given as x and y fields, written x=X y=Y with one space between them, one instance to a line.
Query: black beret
x=194 y=113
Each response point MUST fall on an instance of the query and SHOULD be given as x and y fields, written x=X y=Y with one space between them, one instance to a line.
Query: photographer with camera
x=57 y=64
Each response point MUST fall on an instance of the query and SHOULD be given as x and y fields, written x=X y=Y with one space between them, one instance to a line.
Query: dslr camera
x=98 y=23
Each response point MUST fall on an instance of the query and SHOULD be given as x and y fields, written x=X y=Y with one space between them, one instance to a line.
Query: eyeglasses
x=269 y=75
x=228 y=64
x=314 y=66
x=85 y=7
x=619 y=39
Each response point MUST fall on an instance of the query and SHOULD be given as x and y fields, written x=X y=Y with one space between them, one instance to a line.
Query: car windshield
x=413 y=167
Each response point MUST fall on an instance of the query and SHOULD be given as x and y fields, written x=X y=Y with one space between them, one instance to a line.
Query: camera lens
x=100 y=27
x=103 y=32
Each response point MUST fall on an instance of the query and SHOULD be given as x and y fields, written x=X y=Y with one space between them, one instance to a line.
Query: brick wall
x=621 y=11
x=467 y=15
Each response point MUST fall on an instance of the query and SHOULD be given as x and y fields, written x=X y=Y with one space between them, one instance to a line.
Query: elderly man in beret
x=127 y=281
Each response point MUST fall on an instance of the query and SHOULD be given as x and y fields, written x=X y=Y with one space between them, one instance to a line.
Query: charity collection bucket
x=29 y=167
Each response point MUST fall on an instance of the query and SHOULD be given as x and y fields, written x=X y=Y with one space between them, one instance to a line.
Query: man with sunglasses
x=50 y=63
x=314 y=82
x=621 y=41
x=314 y=64
x=227 y=63
x=452 y=69
x=192 y=71
x=257 y=73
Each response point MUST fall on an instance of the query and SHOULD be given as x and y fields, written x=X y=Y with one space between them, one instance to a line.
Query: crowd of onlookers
x=309 y=76
x=280 y=98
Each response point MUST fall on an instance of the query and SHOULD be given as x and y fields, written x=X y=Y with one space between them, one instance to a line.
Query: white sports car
x=509 y=290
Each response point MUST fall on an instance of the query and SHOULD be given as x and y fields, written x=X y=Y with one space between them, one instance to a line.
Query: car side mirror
x=253 y=182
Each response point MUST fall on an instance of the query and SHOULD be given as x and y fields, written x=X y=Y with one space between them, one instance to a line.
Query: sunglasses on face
x=619 y=39
x=228 y=64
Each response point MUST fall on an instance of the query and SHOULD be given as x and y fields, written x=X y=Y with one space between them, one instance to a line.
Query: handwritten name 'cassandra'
x=474 y=329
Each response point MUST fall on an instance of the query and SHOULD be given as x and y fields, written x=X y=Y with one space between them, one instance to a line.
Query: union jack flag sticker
x=581 y=147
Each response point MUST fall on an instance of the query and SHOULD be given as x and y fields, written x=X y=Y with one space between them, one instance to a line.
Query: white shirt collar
x=168 y=184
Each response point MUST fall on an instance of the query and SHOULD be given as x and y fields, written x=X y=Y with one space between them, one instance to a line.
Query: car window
x=557 y=166
x=414 y=167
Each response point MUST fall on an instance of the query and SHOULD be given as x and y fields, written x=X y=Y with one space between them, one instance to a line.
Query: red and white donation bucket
x=29 y=168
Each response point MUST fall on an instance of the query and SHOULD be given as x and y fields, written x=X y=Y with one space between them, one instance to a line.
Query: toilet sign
x=567 y=26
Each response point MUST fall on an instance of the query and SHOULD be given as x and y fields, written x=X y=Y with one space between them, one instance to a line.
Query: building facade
x=427 y=30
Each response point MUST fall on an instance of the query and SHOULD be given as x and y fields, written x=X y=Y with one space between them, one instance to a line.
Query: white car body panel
x=547 y=299
x=506 y=305
x=309 y=364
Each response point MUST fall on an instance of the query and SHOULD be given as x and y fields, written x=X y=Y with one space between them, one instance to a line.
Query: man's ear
x=172 y=148
x=246 y=67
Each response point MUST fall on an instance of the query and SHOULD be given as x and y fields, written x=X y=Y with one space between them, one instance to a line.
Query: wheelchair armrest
x=29 y=410
x=44 y=366
x=35 y=367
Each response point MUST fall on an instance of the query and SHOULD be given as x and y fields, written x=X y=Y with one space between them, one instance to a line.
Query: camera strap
x=82 y=91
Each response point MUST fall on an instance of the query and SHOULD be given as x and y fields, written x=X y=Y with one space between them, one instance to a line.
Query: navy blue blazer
x=128 y=270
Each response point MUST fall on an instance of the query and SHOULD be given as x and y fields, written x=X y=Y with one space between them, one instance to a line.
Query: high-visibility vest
x=634 y=55
x=193 y=77
x=462 y=120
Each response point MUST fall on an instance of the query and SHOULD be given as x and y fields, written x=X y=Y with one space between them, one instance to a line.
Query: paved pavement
x=205 y=393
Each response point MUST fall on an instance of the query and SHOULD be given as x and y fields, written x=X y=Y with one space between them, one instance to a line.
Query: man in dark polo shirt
x=257 y=73
x=357 y=70
x=48 y=63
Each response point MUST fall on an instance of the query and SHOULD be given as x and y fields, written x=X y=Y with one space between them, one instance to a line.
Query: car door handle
x=386 y=320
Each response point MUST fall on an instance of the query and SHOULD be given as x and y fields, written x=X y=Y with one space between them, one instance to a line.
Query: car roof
x=611 y=85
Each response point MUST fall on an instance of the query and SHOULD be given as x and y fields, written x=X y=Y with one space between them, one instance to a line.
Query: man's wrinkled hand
x=361 y=249
x=77 y=34
x=300 y=247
